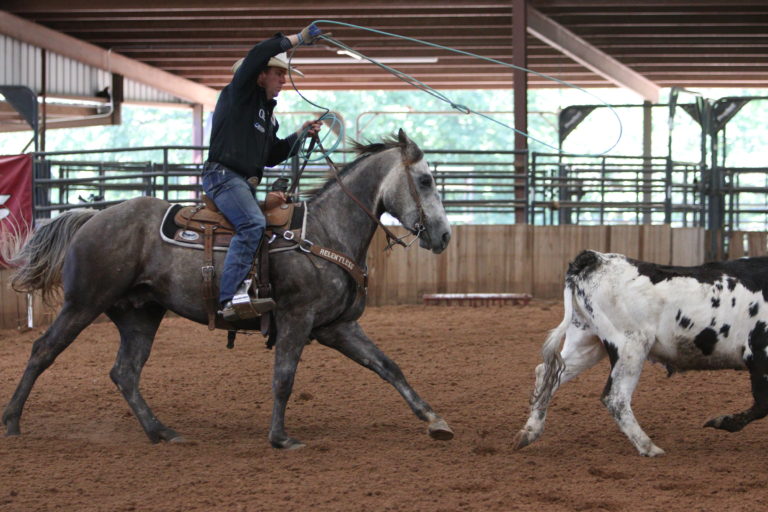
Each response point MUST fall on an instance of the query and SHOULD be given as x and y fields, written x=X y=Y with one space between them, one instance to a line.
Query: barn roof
x=183 y=50
x=688 y=43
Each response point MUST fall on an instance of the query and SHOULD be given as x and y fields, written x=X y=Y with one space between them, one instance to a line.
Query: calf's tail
x=553 y=364
x=42 y=257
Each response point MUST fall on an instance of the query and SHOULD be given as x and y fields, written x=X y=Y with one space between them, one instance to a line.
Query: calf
x=710 y=317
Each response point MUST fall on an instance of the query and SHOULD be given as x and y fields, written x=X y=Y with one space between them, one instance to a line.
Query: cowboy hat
x=278 y=61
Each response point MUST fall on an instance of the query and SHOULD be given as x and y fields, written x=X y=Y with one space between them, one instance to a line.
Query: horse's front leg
x=349 y=339
x=292 y=337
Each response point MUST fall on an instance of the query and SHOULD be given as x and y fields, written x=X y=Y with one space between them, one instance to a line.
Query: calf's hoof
x=653 y=451
x=440 y=430
x=725 y=423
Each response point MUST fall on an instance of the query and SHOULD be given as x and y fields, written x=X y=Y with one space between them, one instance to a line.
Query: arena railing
x=478 y=187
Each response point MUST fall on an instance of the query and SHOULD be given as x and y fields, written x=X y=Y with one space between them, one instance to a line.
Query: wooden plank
x=518 y=258
x=550 y=260
x=625 y=240
x=688 y=246
x=594 y=238
x=736 y=246
x=458 y=264
x=757 y=243
x=657 y=244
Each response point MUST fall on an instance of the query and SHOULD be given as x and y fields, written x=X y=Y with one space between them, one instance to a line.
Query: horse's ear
x=411 y=152
x=402 y=137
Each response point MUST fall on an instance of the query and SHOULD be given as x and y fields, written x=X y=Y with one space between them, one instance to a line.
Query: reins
x=392 y=239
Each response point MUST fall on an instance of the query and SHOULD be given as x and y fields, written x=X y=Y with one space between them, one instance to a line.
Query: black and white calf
x=710 y=317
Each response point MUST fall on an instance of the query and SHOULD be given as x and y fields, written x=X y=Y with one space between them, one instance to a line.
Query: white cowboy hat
x=278 y=61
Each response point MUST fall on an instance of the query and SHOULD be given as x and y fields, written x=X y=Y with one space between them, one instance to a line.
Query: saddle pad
x=171 y=233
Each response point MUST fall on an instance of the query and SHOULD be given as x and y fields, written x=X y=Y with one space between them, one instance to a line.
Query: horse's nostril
x=446 y=237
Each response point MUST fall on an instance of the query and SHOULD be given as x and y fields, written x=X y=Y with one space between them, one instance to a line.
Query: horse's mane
x=364 y=151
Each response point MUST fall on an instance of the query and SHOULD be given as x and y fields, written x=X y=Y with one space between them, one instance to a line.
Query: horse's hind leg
x=71 y=320
x=350 y=340
x=137 y=328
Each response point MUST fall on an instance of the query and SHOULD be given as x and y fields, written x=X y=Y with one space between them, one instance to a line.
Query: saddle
x=204 y=221
x=192 y=221
x=286 y=227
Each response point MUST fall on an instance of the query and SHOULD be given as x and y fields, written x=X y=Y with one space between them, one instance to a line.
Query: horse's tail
x=554 y=365
x=41 y=259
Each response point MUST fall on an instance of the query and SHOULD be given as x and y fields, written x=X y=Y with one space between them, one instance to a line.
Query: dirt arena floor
x=82 y=450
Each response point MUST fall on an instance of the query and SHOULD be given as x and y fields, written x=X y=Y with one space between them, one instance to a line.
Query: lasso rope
x=437 y=94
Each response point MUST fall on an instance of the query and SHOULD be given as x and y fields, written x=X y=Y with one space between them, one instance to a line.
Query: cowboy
x=243 y=141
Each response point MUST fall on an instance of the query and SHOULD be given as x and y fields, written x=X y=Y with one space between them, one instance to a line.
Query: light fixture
x=348 y=53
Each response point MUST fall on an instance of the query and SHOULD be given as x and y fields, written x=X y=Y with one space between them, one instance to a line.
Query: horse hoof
x=178 y=439
x=521 y=440
x=288 y=444
x=440 y=431
x=12 y=429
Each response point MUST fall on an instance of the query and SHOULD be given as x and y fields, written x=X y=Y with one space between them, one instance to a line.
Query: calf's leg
x=757 y=364
x=627 y=352
x=581 y=351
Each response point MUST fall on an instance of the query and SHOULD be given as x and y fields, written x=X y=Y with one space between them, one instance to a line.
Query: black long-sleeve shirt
x=243 y=132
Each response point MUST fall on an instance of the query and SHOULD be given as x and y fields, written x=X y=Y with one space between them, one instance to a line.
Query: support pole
x=520 y=59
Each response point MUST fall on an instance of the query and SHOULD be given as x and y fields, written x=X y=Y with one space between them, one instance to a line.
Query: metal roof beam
x=562 y=39
x=67 y=46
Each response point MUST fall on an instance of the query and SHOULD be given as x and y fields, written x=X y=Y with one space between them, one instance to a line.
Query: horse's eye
x=425 y=180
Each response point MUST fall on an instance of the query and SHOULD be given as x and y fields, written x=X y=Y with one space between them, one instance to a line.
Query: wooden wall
x=517 y=259
x=479 y=259
x=13 y=306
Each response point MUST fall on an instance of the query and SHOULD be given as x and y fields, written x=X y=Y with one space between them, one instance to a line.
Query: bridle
x=392 y=240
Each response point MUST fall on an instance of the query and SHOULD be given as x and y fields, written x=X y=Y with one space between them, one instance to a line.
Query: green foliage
x=140 y=127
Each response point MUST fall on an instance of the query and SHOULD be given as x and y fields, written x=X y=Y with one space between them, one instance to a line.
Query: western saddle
x=217 y=231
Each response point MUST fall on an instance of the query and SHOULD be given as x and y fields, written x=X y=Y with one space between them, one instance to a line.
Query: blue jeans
x=236 y=199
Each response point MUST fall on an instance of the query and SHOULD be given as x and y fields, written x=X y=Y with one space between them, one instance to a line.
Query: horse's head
x=410 y=195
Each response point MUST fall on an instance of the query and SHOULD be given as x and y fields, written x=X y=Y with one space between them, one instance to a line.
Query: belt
x=216 y=166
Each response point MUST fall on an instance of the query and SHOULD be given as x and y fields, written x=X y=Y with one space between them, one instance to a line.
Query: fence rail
x=478 y=187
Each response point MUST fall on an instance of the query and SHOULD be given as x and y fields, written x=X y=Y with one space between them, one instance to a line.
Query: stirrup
x=244 y=307
x=246 y=310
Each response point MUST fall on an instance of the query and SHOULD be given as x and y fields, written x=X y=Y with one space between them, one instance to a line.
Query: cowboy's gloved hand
x=311 y=127
x=308 y=35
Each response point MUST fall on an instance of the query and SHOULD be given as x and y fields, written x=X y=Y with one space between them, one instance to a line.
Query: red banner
x=15 y=196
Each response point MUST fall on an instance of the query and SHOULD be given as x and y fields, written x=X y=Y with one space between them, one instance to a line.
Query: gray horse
x=114 y=262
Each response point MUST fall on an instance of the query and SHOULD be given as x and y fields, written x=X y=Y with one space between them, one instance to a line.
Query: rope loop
x=429 y=90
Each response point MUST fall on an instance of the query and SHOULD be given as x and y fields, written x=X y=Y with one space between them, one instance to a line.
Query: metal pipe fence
x=477 y=187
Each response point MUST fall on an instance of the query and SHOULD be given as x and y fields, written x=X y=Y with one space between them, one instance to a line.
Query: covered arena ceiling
x=688 y=43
